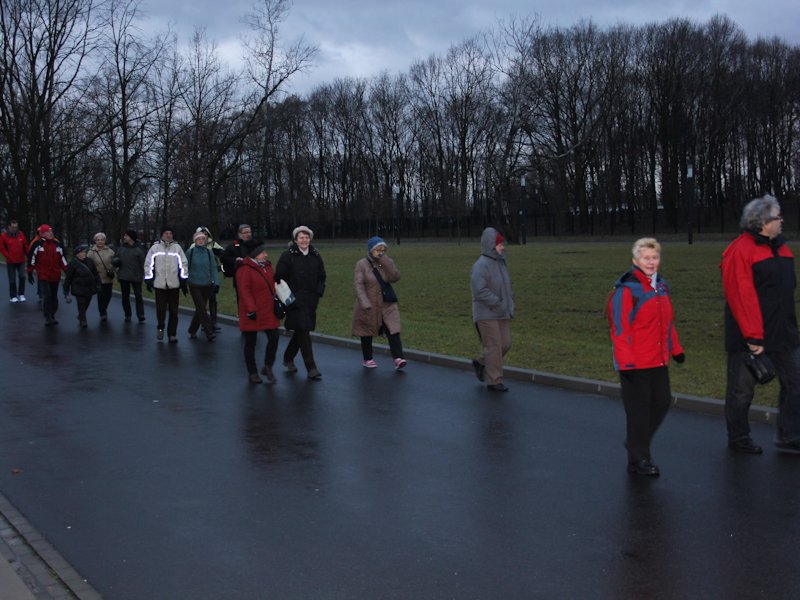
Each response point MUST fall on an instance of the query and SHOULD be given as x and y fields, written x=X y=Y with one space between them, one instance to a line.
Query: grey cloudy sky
x=361 y=39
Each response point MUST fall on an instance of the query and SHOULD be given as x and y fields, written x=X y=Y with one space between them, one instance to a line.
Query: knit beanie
x=373 y=242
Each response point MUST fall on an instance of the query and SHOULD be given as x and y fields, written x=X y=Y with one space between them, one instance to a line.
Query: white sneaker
x=22 y=298
x=14 y=300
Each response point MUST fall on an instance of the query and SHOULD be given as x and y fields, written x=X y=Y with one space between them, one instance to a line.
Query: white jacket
x=166 y=265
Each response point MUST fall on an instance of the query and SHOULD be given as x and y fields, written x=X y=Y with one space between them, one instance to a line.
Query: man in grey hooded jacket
x=492 y=308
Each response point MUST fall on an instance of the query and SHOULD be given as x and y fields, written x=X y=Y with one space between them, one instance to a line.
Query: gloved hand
x=251 y=315
x=216 y=289
x=184 y=287
x=679 y=358
x=67 y=298
x=30 y=278
x=149 y=284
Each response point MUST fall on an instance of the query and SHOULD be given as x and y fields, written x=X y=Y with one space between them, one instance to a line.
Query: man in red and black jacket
x=759 y=280
x=46 y=257
x=14 y=247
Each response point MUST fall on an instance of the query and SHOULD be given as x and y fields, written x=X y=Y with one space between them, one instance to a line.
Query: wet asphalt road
x=159 y=473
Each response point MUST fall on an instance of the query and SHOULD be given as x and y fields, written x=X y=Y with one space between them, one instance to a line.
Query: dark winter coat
x=370 y=311
x=82 y=278
x=256 y=284
x=305 y=275
x=130 y=260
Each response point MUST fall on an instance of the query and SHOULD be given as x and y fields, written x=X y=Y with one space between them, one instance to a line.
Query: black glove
x=184 y=287
x=149 y=284
x=216 y=289
x=30 y=278
x=251 y=315
x=679 y=358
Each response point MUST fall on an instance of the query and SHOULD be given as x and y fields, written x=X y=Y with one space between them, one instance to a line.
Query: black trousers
x=200 y=295
x=395 y=346
x=16 y=279
x=301 y=340
x=83 y=303
x=104 y=297
x=125 y=288
x=168 y=300
x=48 y=291
x=250 y=339
x=646 y=396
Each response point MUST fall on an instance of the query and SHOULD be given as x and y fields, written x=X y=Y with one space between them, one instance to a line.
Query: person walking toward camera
x=14 y=248
x=256 y=284
x=46 y=257
x=759 y=280
x=492 y=308
x=301 y=267
x=167 y=271
x=202 y=281
x=82 y=282
x=375 y=310
x=130 y=262
x=103 y=258
x=643 y=337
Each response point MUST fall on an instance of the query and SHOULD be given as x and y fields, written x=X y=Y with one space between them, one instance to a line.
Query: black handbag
x=280 y=307
x=761 y=367
x=389 y=295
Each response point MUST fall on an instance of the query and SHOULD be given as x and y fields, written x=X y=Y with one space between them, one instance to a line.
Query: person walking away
x=234 y=255
x=492 y=308
x=166 y=271
x=103 y=258
x=643 y=337
x=129 y=261
x=256 y=284
x=46 y=258
x=212 y=245
x=14 y=248
x=758 y=276
x=302 y=268
x=82 y=281
x=376 y=311
x=202 y=281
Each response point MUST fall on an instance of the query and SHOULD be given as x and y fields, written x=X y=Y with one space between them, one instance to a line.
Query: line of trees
x=536 y=129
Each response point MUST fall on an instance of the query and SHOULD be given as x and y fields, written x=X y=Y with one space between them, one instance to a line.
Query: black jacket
x=305 y=275
x=82 y=278
x=130 y=260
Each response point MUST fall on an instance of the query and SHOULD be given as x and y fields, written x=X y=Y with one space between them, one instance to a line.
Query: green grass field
x=560 y=292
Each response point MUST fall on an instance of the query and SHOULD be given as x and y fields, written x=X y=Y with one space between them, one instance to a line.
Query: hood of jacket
x=488 y=244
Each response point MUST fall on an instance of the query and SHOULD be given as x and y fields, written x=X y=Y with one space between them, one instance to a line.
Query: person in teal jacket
x=203 y=278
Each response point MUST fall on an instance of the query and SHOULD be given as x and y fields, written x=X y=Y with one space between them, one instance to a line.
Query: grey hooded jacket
x=492 y=297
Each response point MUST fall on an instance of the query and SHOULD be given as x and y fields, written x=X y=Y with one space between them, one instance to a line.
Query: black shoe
x=128 y=319
x=173 y=339
x=267 y=372
x=793 y=447
x=217 y=328
x=643 y=467
x=104 y=317
x=160 y=334
x=480 y=370
x=83 y=324
x=141 y=319
x=497 y=387
x=745 y=447
x=49 y=322
x=254 y=378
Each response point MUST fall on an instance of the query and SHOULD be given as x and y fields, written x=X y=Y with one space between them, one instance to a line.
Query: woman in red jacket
x=643 y=336
x=255 y=282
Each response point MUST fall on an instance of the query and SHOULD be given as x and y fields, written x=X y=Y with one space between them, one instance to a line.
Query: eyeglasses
x=771 y=219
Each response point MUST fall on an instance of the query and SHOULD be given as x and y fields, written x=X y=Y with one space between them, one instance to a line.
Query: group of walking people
x=761 y=333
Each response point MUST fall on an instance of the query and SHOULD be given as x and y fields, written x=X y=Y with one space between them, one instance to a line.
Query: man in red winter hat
x=47 y=258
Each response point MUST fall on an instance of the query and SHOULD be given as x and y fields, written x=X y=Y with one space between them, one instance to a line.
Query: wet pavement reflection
x=159 y=472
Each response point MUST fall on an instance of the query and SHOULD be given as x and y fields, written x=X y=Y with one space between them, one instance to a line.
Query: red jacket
x=643 y=331
x=14 y=247
x=256 y=286
x=47 y=258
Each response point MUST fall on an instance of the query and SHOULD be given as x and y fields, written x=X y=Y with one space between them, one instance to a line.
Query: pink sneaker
x=370 y=364
x=399 y=363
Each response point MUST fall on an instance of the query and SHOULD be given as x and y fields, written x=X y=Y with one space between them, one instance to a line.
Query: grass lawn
x=560 y=291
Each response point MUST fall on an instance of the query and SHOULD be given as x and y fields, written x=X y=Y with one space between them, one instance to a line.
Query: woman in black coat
x=82 y=281
x=302 y=268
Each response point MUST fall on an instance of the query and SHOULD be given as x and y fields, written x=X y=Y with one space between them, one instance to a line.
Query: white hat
x=302 y=229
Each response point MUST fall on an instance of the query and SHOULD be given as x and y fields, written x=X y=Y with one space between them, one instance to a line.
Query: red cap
x=44 y=227
x=499 y=239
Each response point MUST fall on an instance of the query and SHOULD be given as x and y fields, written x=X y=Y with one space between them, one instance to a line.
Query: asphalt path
x=158 y=472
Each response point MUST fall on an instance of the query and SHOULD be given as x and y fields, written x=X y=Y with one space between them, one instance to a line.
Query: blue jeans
x=16 y=279
x=739 y=395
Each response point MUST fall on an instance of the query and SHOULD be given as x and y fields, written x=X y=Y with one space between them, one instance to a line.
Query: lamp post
x=396 y=199
x=690 y=201
x=523 y=234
